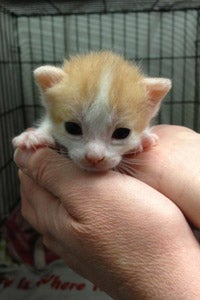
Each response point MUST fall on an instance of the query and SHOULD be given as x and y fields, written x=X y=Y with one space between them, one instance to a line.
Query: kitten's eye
x=121 y=133
x=73 y=128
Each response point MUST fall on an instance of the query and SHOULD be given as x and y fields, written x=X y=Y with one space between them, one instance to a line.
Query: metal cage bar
x=165 y=42
x=11 y=110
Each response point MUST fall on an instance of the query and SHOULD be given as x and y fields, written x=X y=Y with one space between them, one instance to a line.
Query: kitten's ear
x=157 y=89
x=47 y=76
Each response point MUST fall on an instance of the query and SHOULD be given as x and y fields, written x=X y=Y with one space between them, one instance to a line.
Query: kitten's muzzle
x=94 y=160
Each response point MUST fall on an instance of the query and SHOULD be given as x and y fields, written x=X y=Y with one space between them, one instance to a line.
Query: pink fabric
x=21 y=239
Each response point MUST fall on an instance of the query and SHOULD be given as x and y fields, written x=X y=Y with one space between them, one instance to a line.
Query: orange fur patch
x=80 y=86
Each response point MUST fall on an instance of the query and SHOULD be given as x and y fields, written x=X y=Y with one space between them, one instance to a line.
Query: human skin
x=120 y=233
x=173 y=168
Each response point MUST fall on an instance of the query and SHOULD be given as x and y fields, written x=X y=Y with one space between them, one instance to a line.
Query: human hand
x=173 y=168
x=116 y=231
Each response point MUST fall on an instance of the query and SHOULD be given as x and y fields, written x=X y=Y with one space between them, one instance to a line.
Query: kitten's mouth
x=102 y=166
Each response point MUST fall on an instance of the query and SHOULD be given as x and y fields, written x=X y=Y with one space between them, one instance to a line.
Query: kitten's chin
x=94 y=169
x=97 y=168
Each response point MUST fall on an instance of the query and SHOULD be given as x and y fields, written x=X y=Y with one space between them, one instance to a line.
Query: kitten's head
x=99 y=106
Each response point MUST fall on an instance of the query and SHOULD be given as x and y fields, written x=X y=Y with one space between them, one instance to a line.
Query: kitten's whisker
x=120 y=170
x=133 y=159
x=129 y=168
x=128 y=171
x=134 y=162
x=124 y=165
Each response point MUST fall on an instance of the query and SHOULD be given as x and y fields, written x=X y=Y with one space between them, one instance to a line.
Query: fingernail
x=21 y=157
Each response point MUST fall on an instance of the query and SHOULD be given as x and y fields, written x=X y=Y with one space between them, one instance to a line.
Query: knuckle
x=40 y=172
x=38 y=166
x=81 y=234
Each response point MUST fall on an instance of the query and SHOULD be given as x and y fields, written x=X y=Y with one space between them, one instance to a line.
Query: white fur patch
x=99 y=115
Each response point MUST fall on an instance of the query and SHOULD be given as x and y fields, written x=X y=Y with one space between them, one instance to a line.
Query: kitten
x=98 y=107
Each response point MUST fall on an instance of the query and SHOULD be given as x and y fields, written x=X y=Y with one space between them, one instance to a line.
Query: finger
x=40 y=208
x=169 y=130
x=27 y=211
x=71 y=259
x=61 y=177
x=46 y=214
x=55 y=246
x=45 y=165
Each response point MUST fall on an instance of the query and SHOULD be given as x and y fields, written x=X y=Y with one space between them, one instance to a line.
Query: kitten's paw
x=148 y=140
x=32 y=139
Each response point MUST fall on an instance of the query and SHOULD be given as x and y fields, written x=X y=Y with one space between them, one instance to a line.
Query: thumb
x=49 y=169
x=59 y=176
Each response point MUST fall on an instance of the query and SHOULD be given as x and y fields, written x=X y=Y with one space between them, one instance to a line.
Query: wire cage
x=162 y=36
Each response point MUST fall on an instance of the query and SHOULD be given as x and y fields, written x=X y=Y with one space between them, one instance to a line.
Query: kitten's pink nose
x=94 y=160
